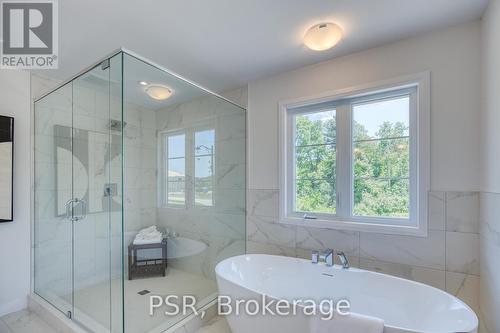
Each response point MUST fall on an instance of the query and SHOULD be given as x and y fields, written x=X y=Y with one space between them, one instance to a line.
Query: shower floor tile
x=91 y=303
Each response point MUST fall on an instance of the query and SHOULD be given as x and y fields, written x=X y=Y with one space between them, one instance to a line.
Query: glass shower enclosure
x=124 y=146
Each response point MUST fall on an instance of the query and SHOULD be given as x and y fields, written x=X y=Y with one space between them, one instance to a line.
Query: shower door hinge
x=105 y=64
x=69 y=315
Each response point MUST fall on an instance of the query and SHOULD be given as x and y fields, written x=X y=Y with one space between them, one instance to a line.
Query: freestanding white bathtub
x=404 y=305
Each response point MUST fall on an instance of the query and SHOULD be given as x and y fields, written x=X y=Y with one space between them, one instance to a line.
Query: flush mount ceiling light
x=323 y=36
x=143 y=83
x=158 y=91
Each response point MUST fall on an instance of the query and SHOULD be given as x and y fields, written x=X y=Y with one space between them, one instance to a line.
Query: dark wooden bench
x=140 y=266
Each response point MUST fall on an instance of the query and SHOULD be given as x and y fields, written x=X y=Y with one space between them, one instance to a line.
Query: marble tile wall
x=447 y=259
x=221 y=227
x=139 y=169
x=490 y=265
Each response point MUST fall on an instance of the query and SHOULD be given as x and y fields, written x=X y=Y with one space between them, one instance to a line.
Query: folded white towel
x=148 y=230
x=352 y=323
x=141 y=241
x=149 y=235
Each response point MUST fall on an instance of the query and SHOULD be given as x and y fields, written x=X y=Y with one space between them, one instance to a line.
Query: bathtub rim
x=218 y=269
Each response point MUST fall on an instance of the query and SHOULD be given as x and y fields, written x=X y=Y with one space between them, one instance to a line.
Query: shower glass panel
x=78 y=209
x=184 y=172
x=53 y=230
x=96 y=159
x=125 y=146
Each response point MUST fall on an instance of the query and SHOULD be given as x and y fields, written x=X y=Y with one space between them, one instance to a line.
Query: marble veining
x=490 y=270
x=462 y=211
x=437 y=210
x=462 y=251
x=264 y=229
x=263 y=202
x=448 y=258
x=318 y=238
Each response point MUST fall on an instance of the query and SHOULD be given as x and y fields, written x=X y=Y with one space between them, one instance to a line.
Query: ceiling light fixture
x=143 y=83
x=158 y=91
x=323 y=36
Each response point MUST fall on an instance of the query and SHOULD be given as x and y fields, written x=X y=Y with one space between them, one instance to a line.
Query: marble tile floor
x=137 y=318
x=25 y=321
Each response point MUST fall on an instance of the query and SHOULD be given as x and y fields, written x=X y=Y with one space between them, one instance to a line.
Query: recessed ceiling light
x=323 y=36
x=158 y=92
x=143 y=83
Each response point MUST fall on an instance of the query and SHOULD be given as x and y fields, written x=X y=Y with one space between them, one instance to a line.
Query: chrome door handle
x=83 y=213
x=69 y=209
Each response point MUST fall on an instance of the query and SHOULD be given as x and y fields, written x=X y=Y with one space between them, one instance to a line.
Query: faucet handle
x=343 y=260
x=314 y=257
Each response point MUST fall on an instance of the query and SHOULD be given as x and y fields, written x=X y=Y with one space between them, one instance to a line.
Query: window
x=176 y=169
x=381 y=157
x=315 y=162
x=188 y=168
x=357 y=161
x=204 y=167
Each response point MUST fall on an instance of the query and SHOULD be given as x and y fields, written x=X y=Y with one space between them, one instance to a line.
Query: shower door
x=77 y=201
x=53 y=229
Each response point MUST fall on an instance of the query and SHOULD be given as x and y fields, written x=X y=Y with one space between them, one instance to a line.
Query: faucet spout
x=327 y=257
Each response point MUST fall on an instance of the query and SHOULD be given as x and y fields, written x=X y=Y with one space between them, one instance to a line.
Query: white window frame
x=163 y=166
x=189 y=157
x=417 y=224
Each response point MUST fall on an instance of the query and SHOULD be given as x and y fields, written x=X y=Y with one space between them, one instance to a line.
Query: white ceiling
x=223 y=44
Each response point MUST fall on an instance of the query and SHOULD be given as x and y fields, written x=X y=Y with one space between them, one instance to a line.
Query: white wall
x=490 y=197
x=451 y=55
x=491 y=98
x=15 y=236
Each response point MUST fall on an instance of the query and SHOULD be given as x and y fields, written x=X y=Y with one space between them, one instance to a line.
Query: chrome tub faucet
x=343 y=260
x=314 y=257
x=327 y=257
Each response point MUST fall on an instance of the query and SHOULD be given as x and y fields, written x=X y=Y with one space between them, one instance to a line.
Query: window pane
x=176 y=181
x=203 y=192
x=204 y=142
x=176 y=193
x=381 y=197
x=315 y=128
x=317 y=196
x=381 y=149
x=176 y=169
x=316 y=162
x=176 y=146
x=386 y=118
x=203 y=186
x=204 y=168
x=386 y=158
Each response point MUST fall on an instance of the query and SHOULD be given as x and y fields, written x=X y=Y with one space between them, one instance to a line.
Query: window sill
x=349 y=225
